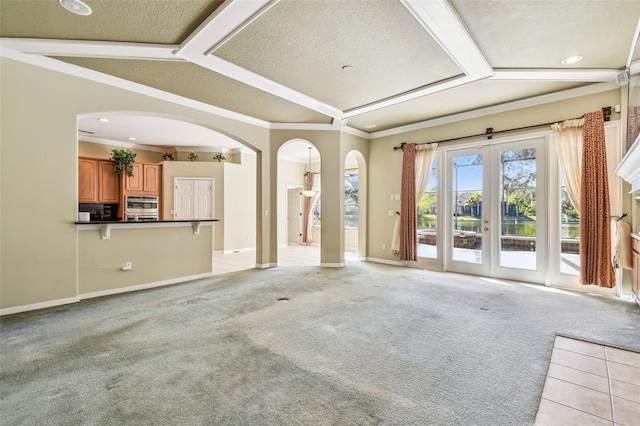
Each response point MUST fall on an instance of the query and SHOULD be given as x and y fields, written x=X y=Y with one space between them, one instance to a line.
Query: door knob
x=486 y=228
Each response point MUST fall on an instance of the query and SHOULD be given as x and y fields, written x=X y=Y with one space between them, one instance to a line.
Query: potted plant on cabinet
x=123 y=159
x=192 y=156
x=167 y=156
x=219 y=157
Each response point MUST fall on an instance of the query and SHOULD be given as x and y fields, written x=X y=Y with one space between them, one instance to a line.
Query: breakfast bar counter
x=117 y=256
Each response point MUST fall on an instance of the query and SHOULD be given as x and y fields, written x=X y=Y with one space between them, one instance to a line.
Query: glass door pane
x=467 y=190
x=518 y=213
x=428 y=217
x=569 y=234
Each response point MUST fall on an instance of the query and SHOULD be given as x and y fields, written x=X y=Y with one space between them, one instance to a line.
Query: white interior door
x=294 y=215
x=183 y=199
x=193 y=198
x=202 y=199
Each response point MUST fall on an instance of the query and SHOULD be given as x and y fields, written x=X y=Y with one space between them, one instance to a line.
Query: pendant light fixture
x=309 y=192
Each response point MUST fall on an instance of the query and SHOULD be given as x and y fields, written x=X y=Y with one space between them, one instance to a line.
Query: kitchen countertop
x=111 y=222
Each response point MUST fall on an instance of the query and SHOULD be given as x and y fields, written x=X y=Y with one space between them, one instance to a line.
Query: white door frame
x=491 y=224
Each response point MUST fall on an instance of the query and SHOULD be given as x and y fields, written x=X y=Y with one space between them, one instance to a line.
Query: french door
x=495 y=205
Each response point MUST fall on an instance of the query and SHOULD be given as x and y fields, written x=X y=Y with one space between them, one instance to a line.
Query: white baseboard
x=385 y=261
x=332 y=265
x=266 y=265
x=144 y=286
x=40 y=305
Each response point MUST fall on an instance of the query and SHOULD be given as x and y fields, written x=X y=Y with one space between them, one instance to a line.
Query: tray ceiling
x=282 y=61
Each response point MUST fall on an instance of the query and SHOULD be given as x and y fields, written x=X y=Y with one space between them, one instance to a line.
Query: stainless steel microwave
x=141 y=203
x=141 y=208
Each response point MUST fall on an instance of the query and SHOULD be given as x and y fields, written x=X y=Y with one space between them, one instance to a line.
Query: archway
x=234 y=195
x=355 y=202
x=298 y=197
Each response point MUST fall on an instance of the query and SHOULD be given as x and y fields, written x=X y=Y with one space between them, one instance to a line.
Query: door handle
x=486 y=228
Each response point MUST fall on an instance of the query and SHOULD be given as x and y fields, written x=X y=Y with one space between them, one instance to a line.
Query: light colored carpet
x=367 y=344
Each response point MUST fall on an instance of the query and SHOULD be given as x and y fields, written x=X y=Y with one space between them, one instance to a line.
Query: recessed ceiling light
x=347 y=68
x=104 y=120
x=131 y=138
x=369 y=126
x=76 y=6
x=571 y=60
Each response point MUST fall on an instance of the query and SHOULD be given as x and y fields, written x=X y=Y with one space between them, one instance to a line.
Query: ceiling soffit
x=139 y=21
x=204 y=86
x=305 y=45
x=479 y=95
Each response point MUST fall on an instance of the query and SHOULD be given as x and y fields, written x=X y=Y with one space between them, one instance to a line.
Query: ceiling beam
x=586 y=75
x=444 y=25
x=92 y=49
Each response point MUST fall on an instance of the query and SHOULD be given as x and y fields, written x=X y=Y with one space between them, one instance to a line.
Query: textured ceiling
x=281 y=60
x=305 y=44
x=142 y=21
x=541 y=33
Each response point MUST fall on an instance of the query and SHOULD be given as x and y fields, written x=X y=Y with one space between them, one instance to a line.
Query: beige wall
x=385 y=163
x=39 y=110
x=332 y=160
x=239 y=220
x=195 y=169
x=152 y=252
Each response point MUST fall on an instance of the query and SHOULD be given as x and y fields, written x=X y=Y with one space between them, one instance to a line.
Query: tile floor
x=590 y=384
x=292 y=255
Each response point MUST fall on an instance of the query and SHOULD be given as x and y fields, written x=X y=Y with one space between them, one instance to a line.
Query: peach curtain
x=408 y=218
x=595 y=228
x=567 y=138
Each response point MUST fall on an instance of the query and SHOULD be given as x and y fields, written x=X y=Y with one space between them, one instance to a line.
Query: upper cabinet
x=96 y=181
x=87 y=180
x=151 y=173
x=145 y=179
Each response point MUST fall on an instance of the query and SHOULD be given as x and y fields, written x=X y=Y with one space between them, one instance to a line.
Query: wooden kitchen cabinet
x=145 y=179
x=151 y=173
x=108 y=185
x=96 y=181
x=87 y=180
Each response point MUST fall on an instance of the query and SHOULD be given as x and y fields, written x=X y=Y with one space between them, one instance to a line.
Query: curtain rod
x=490 y=132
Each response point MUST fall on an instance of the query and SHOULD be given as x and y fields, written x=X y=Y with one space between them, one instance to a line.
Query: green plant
x=124 y=159
x=192 y=156
x=219 y=157
x=167 y=156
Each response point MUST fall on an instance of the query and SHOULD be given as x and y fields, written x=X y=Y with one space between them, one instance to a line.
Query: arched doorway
x=299 y=198
x=354 y=206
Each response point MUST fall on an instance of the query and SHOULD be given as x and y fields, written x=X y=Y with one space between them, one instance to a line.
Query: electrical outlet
x=384 y=246
x=127 y=266
x=390 y=213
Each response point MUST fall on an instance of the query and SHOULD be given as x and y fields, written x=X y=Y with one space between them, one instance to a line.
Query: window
x=351 y=199
x=428 y=216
